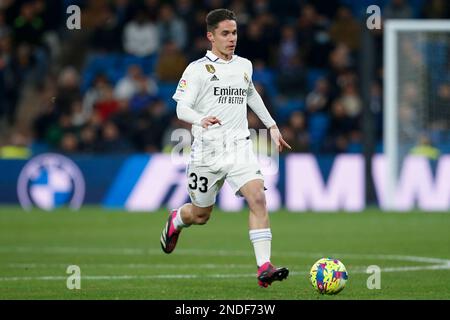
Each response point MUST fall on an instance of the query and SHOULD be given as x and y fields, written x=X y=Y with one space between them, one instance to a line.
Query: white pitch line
x=128 y=265
x=145 y=266
x=201 y=252
x=203 y=276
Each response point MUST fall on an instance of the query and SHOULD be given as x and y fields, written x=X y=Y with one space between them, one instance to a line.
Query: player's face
x=224 y=38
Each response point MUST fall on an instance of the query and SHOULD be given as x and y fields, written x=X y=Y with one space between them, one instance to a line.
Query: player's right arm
x=186 y=94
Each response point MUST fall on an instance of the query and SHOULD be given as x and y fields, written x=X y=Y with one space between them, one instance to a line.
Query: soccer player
x=212 y=95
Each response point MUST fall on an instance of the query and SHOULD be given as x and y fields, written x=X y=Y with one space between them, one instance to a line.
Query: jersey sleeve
x=188 y=87
x=256 y=103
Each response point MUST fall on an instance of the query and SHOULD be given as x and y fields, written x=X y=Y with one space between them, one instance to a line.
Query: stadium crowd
x=107 y=87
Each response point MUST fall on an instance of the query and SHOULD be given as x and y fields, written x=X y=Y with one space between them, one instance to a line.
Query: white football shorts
x=212 y=164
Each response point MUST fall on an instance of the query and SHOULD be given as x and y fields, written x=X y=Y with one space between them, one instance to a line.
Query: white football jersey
x=214 y=87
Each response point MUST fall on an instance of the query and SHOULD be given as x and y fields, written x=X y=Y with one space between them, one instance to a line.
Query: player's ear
x=210 y=36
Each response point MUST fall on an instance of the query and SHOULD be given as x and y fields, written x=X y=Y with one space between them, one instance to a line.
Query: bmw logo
x=49 y=181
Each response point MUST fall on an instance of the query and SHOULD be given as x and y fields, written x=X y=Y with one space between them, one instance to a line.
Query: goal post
x=416 y=63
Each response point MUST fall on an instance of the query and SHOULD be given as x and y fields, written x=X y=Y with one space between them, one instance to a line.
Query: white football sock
x=261 y=240
x=178 y=221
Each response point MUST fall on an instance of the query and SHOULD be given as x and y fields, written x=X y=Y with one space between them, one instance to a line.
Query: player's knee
x=258 y=200
x=201 y=215
x=202 y=218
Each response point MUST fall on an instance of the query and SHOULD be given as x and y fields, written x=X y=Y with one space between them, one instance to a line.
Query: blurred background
x=86 y=119
x=106 y=88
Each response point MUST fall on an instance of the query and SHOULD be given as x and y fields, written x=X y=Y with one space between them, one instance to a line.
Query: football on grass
x=328 y=276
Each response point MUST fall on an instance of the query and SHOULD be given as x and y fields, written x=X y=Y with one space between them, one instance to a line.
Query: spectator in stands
x=398 y=9
x=288 y=48
x=289 y=137
x=68 y=89
x=313 y=37
x=326 y=8
x=171 y=28
x=104 y=36
x=297 y=123
x=185 y=9
x=111 y=141
x=140 y=36
x=436 y=9
x=128 y=85
x=78 y=117
x=187 y=12
x=58 y=130
x=283 y=41
x=28 y=25
x=123 y=12
x=351 y=100
x=409 y=94
x=141 y=99
x=5 y=29
x=155 y=119
x=425 y=148
x=240 y=9
x=261 y=7
x=69 y=143
x=254 y=45
x=46 y=116
x=94 y=93
x=106 y=104
x=376 y=107
x=171 y=63
x=8 y=86
x=291 y=79
x=341 y=124
x=341 y=64
x=88 y=140
x=345 y=29
x=440 y=115
x=319 y=99
x=124 y=119
x=17 y=147
x=408 y=130
x=151 y=8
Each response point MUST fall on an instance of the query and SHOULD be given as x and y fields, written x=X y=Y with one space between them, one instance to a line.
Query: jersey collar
x=211 y=56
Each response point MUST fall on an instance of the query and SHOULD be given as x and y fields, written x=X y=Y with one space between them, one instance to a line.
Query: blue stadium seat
x=317 y=129
x=266 y=78
x=146 y=63
x=354 y=147
x=285 y=108
x=312 y=76
x=97 y=64
x=359 y=7
x=165 y=91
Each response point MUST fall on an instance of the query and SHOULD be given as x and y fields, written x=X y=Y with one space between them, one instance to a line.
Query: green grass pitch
x=120 y=257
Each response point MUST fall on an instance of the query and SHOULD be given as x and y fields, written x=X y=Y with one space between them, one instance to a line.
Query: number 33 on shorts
x=196 y=182
x=203 y=187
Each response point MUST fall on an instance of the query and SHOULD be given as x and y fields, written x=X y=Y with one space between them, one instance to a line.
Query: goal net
x=416 y=94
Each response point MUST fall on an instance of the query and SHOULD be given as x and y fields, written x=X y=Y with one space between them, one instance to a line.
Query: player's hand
x=278 y=138
x=209 y=121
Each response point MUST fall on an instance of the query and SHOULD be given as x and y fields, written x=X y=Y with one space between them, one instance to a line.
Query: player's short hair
x=216 y=16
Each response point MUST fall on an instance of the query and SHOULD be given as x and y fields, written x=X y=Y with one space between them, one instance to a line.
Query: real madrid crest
x=210 y=68
x=246 y=78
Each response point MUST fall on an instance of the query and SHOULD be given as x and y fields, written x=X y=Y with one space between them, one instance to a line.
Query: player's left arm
x=256 y=103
